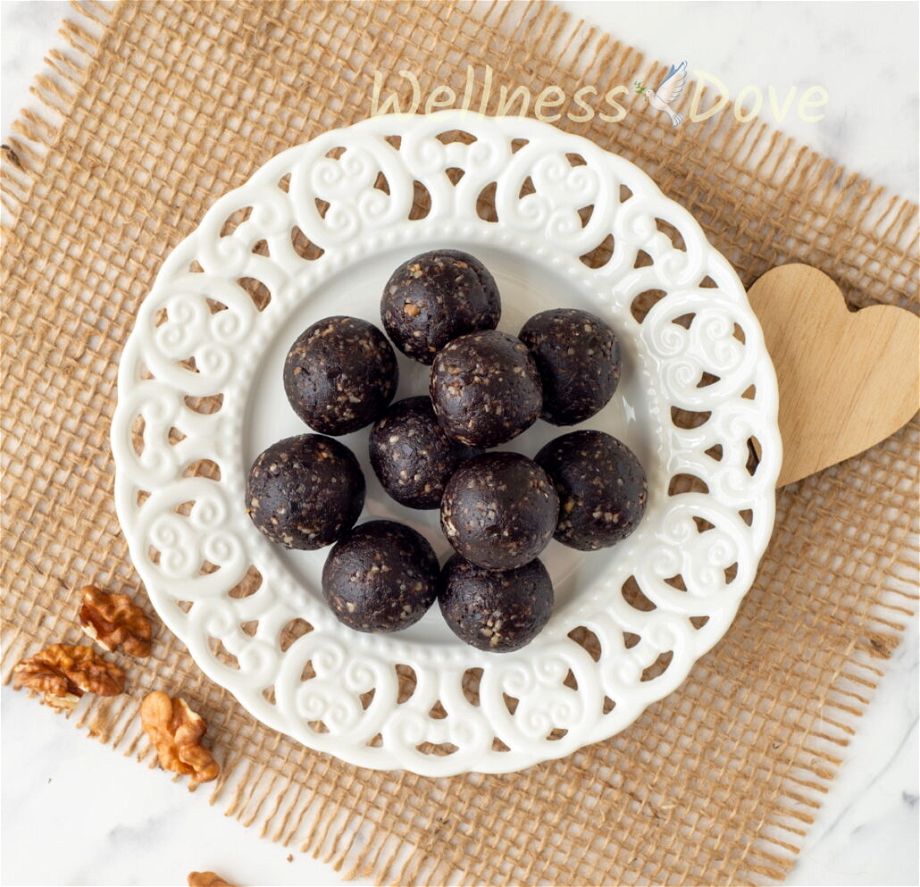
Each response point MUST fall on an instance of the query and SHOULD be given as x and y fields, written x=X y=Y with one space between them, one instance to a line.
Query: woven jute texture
x=159 y=108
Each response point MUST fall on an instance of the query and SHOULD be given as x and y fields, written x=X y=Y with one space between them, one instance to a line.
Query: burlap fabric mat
x=158 y=109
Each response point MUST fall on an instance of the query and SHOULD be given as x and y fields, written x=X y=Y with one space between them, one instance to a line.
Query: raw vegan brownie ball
x=436 y=297
x=485 y=388
x=578 y=357
x=383 y=576
x=305 y=491
x=601 y=485
x=499 y=510
x=495 y=611
x=340 y=375
x=411 y=454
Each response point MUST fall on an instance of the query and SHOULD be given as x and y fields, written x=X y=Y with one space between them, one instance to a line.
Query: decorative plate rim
x=348 y=665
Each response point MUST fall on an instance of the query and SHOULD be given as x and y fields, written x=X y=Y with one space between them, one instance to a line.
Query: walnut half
x=176 y=732
x=114 y=620
x=206 y=879
x=63 y=673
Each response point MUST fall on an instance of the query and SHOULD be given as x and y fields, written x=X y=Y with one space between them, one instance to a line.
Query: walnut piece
x=176 y=732
x=63 y=673
x=206 y=879
x=114 y=620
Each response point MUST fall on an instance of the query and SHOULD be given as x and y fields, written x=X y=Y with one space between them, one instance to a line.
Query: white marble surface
x=864 y=54
x=135 y=826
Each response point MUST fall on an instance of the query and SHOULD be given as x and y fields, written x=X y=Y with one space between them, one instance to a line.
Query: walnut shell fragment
x=114 y=621
x=176 y=732
x=206 y=879
x=62 y=673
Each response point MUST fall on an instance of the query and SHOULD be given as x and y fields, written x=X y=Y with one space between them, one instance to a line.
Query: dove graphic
x=667 y=93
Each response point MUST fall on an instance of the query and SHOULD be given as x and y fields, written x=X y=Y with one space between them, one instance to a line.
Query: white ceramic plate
x=199 y=334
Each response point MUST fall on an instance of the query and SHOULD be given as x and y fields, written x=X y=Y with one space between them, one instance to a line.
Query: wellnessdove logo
x=708 y=97
x=668 y=93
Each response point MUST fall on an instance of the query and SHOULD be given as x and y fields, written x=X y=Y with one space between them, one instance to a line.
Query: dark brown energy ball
x=495 y=611
x=382 y=576
x=485 y=388
x=436 y=297
x=499 y=510
x=578 y=357
x=601 y=485
x=340 y=375
x=305 y=491
x=411 y=454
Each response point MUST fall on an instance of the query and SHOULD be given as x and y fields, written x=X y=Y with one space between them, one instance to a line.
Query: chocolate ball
x=411 y=454
x=305 y=491
x=495 y=611
x=383 y=576
x=436 y=297
x=340 y=375
x=601 y=485
x=485 y=388
x=499 y=510
x=578 y=357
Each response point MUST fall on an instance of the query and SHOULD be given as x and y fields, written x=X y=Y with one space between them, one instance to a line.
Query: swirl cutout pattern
x=632 y=633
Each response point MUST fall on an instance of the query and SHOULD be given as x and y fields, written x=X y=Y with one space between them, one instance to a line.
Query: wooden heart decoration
x=847 y=380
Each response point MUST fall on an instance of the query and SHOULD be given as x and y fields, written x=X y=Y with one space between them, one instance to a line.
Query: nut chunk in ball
x=578 y=357
x=496 y=611
x=436 y=297
x=340 y=375
x=499 y=510
x=383 y=576
x=485 y=388
x=305 y=491
x=411 y=454
x=601 y=485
